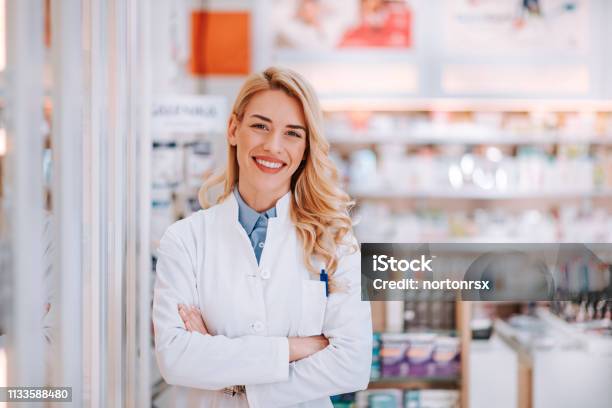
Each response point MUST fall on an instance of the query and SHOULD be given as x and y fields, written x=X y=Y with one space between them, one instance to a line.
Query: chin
x=269 y=187
x=266 y=184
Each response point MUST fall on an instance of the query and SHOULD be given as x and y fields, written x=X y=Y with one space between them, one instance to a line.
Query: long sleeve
x=204 y=361
x=343 y=366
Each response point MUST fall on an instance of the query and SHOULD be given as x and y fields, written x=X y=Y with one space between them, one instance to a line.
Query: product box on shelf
x=446 y=356
x=431 y=399
x=393 y=355
x=419 y=355
x=375 y=371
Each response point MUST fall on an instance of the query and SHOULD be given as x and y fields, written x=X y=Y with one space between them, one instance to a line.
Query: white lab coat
x=207 y=260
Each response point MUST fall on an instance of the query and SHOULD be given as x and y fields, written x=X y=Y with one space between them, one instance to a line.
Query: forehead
x=281 y=108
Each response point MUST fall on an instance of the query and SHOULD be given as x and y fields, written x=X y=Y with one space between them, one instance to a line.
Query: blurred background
x=470 y=121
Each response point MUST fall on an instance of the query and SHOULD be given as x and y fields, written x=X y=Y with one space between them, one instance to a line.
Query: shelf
x=593 y=342
x=381 y=193
x=415 y=383
x=484 y=104
x=370 y=138
x=425 y=330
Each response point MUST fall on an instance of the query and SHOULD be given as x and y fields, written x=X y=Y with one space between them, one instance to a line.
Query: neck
x=259 y=200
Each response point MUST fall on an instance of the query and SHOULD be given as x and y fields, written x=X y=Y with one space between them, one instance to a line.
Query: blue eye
x=294 y=134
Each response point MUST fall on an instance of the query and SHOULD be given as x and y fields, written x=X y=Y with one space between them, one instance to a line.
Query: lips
x=269 y=165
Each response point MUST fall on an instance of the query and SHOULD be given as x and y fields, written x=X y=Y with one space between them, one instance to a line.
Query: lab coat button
x=257 y=326
x=265 y=274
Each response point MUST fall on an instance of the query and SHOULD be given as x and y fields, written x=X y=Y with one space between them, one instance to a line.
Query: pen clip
x=324 y=278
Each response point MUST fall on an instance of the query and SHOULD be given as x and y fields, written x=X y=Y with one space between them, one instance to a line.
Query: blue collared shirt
x=254 y=223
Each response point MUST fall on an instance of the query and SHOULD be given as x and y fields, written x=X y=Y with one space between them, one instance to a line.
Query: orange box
x=220 y=43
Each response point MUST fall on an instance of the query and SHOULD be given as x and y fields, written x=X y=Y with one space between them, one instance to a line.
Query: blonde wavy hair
x=319 y=207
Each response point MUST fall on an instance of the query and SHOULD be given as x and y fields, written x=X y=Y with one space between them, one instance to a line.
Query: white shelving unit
x=398 y=155
x=476 y=194
x=408 y=138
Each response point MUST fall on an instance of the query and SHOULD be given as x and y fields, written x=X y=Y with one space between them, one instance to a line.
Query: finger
x=188 y=326
x=202 y=327
x=192 y=319
x=189 y=312
x=185 y=317
x=194 y=312
x=196 y=321
x=188 y=315
x=183 y=314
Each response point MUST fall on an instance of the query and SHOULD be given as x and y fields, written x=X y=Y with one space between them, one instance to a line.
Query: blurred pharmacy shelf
x=476 y=154
x=422 y=347
x=587 y=333
x=475 y=194
x=405 y=137
x=392 y=104
x=416 y=383
x=545 y=346
x=476 y=170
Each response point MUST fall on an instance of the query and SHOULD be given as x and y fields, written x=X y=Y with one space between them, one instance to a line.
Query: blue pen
x=323 y=278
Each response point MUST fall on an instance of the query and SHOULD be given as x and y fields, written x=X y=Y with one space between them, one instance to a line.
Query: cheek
x=244 y=146
x=297 y=153
x=242 y=156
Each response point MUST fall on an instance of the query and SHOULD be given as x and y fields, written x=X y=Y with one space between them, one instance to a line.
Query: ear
x=232 y=128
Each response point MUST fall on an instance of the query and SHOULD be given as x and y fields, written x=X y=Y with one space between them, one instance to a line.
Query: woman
x=241 y=315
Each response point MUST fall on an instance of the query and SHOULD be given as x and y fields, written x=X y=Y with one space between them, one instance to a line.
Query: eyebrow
x=266 y=119
x=262 y=118
x=296 y=127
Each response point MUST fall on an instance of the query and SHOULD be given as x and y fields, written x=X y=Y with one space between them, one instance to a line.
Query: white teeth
x=268 y=164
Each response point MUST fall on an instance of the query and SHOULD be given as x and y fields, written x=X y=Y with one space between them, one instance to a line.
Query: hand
x=302 y=347
x=192 y=318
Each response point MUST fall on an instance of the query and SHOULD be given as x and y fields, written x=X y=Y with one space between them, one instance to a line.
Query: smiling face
x=271 y=141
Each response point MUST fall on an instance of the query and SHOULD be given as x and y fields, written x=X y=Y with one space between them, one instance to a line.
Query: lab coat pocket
x=314 y=302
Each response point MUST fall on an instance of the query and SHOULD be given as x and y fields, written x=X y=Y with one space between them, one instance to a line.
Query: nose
x=273 y=142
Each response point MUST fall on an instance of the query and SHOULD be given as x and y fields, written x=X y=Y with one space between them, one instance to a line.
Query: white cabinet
x=493 y=379
x=571 y=378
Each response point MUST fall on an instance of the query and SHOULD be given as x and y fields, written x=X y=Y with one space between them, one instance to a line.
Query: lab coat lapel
x=227 y=224
x=278 y=228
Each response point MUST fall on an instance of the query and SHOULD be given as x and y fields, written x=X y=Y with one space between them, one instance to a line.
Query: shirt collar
x=247 y=216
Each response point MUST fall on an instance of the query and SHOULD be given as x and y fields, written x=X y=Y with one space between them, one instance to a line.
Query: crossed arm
x=299 y=347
